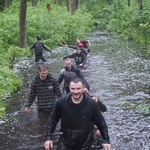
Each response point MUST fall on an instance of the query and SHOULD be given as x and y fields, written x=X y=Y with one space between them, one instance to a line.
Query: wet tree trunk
x=23 y=8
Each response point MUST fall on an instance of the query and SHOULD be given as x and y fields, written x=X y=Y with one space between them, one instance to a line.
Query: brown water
x=118 y=74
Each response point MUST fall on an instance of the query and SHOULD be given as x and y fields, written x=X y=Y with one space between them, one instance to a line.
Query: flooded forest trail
x=118 y=74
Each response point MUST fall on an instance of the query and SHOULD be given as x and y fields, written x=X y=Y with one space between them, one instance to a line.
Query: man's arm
x=60 y=78
x=69 y=56
x=99 y=121
x=80 y=75
x=71 y=46
x=84 y=59
x=45 y=48
x=31 y=97
x=52 y=122
x=57 y=90
x=32 y=48
x=101 y=106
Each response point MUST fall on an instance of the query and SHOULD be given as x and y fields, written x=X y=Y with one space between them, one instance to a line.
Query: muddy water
x=118 y=74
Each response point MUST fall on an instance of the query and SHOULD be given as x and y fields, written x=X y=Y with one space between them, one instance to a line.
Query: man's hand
x=106 y=146
x=48 y=145
x=27 y=109
x=80 y=65
x=50 y=51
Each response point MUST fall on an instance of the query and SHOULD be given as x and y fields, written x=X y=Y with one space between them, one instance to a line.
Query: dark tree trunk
x=129 y=2
x=55 y=1
x=35 y=2
x=23 y=8
x=68 y=5
x=6 y=3
x=60 y=2
x=74 y=6
x=140 y=6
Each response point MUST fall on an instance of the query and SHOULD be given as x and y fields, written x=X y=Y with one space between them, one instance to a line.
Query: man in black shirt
x=38 y=50
x=78 y=114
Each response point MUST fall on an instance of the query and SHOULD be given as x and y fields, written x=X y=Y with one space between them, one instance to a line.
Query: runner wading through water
x=80 y=45
x=38 y=50
x=79 y=57
x=68 y=73
x=78 y=113
x=86 y=44
x=45 y=88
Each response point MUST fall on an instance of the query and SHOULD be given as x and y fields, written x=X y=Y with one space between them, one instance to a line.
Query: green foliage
x=57 y=26
x=142 y=105
x=121 y=20
x=9 y=83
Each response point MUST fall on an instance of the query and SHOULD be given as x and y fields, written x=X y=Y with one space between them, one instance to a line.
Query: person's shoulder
x=35 y=79
x=63 y=99
x=62 y=71
x=75 y=69
x=34 y=44
x=51 y=78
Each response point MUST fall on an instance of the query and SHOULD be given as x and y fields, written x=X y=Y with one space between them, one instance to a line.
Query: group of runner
x=78 y=111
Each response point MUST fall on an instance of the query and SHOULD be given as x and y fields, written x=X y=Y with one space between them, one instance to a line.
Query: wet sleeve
x=60 y=78
x=69 y=56
x=57 y=90
x=52 y=122
x=99 y=121
x=101 y=106
x=79 y=74
x=84 y=59
x=32 y=48
x=71 y=46
x=31 y=96
x=45 y=47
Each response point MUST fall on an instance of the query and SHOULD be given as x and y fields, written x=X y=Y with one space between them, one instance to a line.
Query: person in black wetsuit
x=77 y=113
x=38 y=50
x=68 y=73
x=79 y=58
x=101 y=106
x=80 y=45
x=86 y=44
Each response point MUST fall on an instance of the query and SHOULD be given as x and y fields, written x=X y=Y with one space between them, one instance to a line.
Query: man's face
x=68 y=64
x=39 y=41
x=76 y=90
x=78 y=51
x=43 y=74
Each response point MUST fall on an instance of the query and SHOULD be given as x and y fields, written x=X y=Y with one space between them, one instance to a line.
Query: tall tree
x=23 y=9
x=35 y=2
x=140 y=6
x=129 y=2
x=68 y=5
x=6 y=3
x=74 y=6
